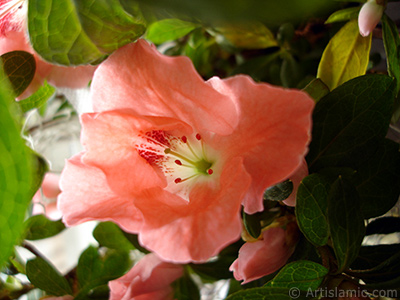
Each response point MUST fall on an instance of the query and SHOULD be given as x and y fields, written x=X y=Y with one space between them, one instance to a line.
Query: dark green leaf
x=37 y=99
x=384 y=225
x=101 y=292
x=133 y=239
x=111 y=236
x=19 y=66
x=391 y=41
x=279 y=192
x=372 y=256
x=185 y=289
x=311 y=208
x=378 y=180
x=39 y=227
x=348 y=121
x=95 y=270
x=345 y=14
x=346 y=223
x=316 y=89
x=266 y=293
x=169 y=30
x=44 y=276
x=290 y=72
x=304 y=275
x=252 y=223
x=15 y=173
x=80 y=32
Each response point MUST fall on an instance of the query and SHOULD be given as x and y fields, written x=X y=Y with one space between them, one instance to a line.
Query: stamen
x=184 y=139
x=210 y=171
x=178 y=162
x=198 y=136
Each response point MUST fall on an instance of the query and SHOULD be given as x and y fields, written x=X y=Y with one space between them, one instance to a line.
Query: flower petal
x=273 y=133
x=138 y=77
x=181 y=231
x=149 y=279
x=109 y=138
x=86 y=196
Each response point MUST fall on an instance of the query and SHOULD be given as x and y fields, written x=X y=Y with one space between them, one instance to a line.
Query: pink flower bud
x=370 y=15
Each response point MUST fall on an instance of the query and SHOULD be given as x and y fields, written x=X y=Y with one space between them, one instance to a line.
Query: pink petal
x=273 y=133
x=180 y=231
x=369 y=16
x=50 y=185
x=109 y=139
x=149 y=279
x=86 y=196
x=72 y=77
x=138 y=77
x=258 y=259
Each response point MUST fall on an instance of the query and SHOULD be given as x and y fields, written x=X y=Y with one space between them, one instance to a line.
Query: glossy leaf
x=377 y=180
x=252 y=223
x=248 y=35
x=79 y=32
x=15 y=173
x=19 y=66
x=169 y=30
x=346 y=223
x=39 y=227
x=311 y=208
x=95 y=270
x=304 y=275
x=345 y=14
x=37 y=99
x=110 y=235
x=265 y=293
x=44 y=276
x=348 y=122
x=345 y=57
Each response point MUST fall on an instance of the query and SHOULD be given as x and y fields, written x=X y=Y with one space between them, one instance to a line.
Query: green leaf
x=251 y=35
x=15 y=172
x=39 y=227
x=279 y=192
x=348 y=122
x=19 y=66
x=185 y=289
x=290 y=71
x=316 y=89
x=44 y=276
x=373 y=255
x=266 y=293
x=311 y=208
x=304 y=275
x=95 y=270
x=345 y=57
x=345 y=14
x=169 y=30
x=37 y=99
x=391 y=41
x=80 y=32
x=346 y=223
x=252 y=224
x=377 y=180
x=111 y=236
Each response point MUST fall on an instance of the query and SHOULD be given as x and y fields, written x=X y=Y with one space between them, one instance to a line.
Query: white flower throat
x=183 y=160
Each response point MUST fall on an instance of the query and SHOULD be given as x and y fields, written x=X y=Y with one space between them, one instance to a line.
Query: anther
x=210 y=171
x=178 y=162
x=177 y=180
x=184 y=139
x=198 y=136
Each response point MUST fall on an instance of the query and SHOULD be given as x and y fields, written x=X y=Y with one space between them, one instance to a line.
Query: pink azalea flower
x=296 y=178
x=149 y=279
x=267 y=255
x=45 y=200
x=13 y=37
x=172 y=157
x=370 y=14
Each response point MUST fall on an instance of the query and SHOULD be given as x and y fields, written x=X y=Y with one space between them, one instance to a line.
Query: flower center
x=183 y=160
x=12 y=15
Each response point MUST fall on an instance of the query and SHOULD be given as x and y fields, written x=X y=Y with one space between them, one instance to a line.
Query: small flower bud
x=370 y=15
